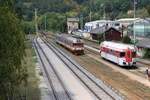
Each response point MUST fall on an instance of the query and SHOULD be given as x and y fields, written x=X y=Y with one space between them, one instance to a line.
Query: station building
x=72 y=24
x=106 y=33
x=100 y=23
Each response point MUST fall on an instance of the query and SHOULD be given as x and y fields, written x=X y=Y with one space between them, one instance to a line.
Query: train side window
x=111 y=51
x=122 y=54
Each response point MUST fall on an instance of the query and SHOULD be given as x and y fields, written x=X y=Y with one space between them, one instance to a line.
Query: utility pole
x=36 y=24
x=45 y=23
x=103 y=11
x=90 y=10
x=104 y=16
x=81 y=22
x=134 y=22
x=90 y=15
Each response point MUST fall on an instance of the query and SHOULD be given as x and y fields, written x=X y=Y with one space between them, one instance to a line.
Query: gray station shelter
x=141 y=28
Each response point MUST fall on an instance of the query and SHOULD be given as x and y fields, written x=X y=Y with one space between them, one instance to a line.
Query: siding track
x=95 y=86
x=58 y=90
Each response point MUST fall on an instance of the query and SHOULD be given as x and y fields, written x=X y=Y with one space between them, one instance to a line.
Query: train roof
x=117 y=46
x=70 y=38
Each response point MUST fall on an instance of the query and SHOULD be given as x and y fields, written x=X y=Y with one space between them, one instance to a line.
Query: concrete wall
x=72 y=26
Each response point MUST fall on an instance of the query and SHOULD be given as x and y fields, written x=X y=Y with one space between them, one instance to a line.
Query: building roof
x=147 y=19
x=102 y=30
x=127 y=19
x=144 y=43
x=72 y=19
x=98 y=21
x=99 y=30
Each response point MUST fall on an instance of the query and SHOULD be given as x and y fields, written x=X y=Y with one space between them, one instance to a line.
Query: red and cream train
x=75 y=45
x=119 y=53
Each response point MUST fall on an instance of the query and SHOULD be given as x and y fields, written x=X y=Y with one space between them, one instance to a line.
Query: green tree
x=28 y=27
x=12 y=74
x=148 y=9
x=55 y=22
x=126 y=39
x=147 y=53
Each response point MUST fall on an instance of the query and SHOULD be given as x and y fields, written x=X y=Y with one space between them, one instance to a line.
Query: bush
x=12 y=73
x=147 y=53
x=126 y=39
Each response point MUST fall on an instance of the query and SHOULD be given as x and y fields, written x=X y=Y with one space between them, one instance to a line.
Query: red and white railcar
x=119 y=53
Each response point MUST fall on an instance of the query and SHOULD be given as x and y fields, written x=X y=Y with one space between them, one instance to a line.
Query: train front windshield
x=131 y=54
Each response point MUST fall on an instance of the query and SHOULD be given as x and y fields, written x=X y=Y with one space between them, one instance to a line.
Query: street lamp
x=36 y=24
x=134 y=21
x=45 y=23
x=81 y=21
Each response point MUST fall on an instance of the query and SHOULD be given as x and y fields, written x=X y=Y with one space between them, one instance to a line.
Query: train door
x=128 y=55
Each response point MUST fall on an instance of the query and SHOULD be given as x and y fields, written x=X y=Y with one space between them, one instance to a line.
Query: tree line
x=113 y=9
x=12 y=73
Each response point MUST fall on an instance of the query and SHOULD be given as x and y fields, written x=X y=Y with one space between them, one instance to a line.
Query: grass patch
x=31 y=91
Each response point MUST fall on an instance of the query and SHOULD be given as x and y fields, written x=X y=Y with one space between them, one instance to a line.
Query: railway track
x=144 y=63
x=95 y=86
x=134 y=92
x=138 y=70
x=58 y=90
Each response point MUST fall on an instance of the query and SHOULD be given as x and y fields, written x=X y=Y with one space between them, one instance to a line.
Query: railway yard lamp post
x=45 y=23
x=81 y=21
x=36 y=24
x=135 y=2
x=104 y=12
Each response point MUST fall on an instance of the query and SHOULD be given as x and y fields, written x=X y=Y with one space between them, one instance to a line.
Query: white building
x=100 y=23
x=127 y=21
x=72 y=24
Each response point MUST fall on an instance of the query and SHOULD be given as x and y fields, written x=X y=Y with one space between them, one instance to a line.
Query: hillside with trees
x=114 y=9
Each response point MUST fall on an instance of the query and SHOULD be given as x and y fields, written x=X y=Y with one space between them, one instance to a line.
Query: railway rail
x=95 y=86
x=55 y=82
x=144 y=63
x=140 y=63
x=126 y=72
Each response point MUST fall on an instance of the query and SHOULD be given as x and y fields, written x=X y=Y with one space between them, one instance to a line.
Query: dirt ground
x=132 y=90
x=93 y=44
